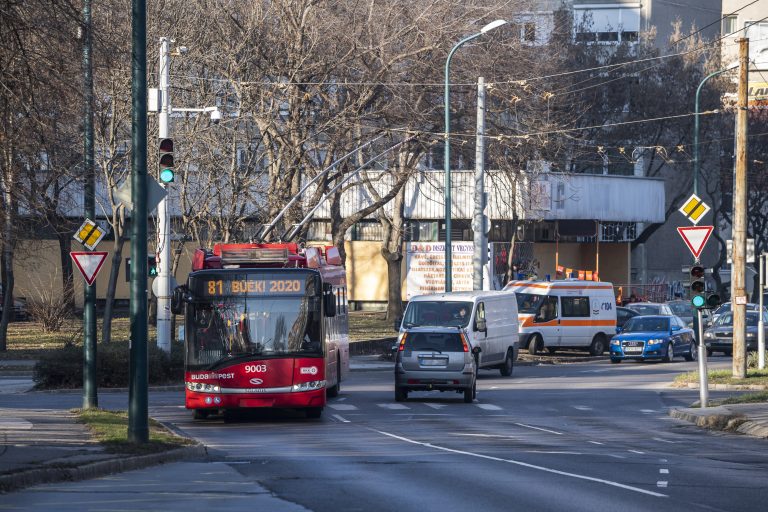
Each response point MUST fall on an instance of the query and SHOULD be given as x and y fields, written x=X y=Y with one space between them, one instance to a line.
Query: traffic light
x=152 y=266
x=713 y=300
x=166 y=161
x=698 y=288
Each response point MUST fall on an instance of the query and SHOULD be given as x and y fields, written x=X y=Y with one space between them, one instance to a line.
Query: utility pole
x=479 y=227
x=738 y=274
x=762 y=263
x=138 y=409
x=163 y=215
x=90 y=399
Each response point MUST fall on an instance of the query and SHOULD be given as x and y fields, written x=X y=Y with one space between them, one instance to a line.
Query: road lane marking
x=664 y=471
x=494 y=436
x=661 y=483
x=637 y=452
x=343 y=407
x=524 y=464
x=436 y=406
x=15 y=424
x=538 y=428
x=339 y=418
x=595 y=442
x=664 y=440
x=647 y=411
x=582 y=407
x=489 y=407
x=554 y=452
x=393 y=406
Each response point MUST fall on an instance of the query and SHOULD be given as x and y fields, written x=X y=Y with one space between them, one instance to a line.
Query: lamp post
x=696 y=126
x=447 y=153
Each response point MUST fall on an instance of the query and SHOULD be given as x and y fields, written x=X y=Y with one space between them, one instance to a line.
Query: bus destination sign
x=252 y=286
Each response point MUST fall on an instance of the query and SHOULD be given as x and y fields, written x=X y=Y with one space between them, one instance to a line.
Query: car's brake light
x=402 y=342
x=464 y=342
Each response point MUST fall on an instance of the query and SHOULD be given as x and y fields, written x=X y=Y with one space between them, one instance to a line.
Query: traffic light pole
x=163 y=249
x=703 y=376
x=762 y=263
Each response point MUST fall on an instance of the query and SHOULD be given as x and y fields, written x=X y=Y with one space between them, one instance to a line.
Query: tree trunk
x=67 y=278
x=394 y=281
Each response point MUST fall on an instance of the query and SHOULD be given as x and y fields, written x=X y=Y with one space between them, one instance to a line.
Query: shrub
x=752 y=359
x=63 y=368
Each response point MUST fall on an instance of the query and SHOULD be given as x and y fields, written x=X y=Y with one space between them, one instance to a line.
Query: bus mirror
x=329 y=300
x=177 y=300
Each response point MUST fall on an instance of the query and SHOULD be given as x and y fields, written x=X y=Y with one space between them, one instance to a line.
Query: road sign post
x=703 y=377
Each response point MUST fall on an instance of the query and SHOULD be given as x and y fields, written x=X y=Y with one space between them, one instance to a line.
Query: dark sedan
x=650 y=337
x=719 y=337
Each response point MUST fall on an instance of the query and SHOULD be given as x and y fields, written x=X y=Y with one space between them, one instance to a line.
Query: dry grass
x=27 y=340
x=369 y=325
x=110 y=428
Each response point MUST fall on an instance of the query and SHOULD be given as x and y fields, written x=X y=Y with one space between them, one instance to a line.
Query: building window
x=368 y=231
x=319 y=230
x=606 y=24
x=730 y=25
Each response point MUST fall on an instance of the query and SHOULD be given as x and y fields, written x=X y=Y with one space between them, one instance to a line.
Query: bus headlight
x=308 y=386
x=202 y=387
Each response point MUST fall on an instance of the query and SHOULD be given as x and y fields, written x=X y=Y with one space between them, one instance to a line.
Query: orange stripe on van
x=527 y=321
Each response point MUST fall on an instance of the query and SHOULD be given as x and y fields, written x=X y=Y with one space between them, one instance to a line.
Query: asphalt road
x=588 y=436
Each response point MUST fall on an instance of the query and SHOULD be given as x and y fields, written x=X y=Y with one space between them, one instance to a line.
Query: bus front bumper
x=287 y=400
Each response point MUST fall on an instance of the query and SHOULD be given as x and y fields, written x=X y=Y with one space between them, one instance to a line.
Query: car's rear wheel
x=670 y=355
x=615 y=361
x=469 y=394
x=535 y=345
x=598 y=345
x=507 y=365
x=693 y=353
x=401 y=394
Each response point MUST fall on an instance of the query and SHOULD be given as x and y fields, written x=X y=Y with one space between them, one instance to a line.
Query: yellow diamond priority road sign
x=90 y=234
x=694 y=209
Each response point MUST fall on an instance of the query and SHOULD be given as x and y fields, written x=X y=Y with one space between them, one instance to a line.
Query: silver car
x=435 y=358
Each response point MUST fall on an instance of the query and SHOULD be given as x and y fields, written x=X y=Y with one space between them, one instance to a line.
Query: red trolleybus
x=265 y=326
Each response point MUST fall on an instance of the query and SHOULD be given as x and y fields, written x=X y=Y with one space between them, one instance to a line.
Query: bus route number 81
x=255 y=368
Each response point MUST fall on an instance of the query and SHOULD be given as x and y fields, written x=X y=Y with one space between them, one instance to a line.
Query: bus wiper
x=230 y=358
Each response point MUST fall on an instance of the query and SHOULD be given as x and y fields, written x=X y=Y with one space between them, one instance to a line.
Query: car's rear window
x=440 y=341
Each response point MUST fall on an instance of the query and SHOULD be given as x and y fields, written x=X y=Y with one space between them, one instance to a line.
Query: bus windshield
x=437 y=313
x=235 y=327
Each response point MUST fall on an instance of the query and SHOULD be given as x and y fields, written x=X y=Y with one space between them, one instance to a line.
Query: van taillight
x=464 y=342
x=402 y=342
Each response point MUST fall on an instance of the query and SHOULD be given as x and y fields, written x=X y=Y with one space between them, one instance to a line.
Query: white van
x=567 y=313
x=489 y=319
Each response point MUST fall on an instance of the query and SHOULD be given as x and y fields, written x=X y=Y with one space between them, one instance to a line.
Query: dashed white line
x=489 y=407
x=637 y=452
x=664 y=471
x=436 y=406
x=525 y=464
x=393 y=406
x=647 y=411
x=538 y=428
x=661 y=483
x=664 y=440
x=343 y=407
x=339 y=418
x=595 y=442
x=582 y=407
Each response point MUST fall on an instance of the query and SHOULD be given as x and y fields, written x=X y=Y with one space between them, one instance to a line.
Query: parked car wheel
x=598 y=345
x=615 y=361
x=536 y=344
x=508 y=365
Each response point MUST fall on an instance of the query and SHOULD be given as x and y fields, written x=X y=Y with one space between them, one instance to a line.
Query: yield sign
x=89 y=263
x=695 y=237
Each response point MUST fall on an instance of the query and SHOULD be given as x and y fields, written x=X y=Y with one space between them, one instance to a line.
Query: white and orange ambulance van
x=566 y=313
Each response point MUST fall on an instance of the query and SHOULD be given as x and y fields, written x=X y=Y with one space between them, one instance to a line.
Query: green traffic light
x=698 y=301
x=166 y=175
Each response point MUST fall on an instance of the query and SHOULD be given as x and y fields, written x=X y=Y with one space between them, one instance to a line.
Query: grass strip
x=754 y=377
x=110 y=428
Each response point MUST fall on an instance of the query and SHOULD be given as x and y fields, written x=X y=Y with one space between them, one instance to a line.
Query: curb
x=729 y=387
x=16 y=481
x=724 y=420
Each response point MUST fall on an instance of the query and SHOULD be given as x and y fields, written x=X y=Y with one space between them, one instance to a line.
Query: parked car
x=650 y=308
x=719 y=337
x=435 y=358
x=684 y=309
x=725 y=307
x=649 y=337
x=20 y=312
x=622 y=315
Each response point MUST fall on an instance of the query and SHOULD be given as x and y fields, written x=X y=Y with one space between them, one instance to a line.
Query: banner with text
x=425 y=267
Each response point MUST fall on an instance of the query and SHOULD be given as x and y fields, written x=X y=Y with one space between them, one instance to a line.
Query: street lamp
x=696 y=126
x=492 y=25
